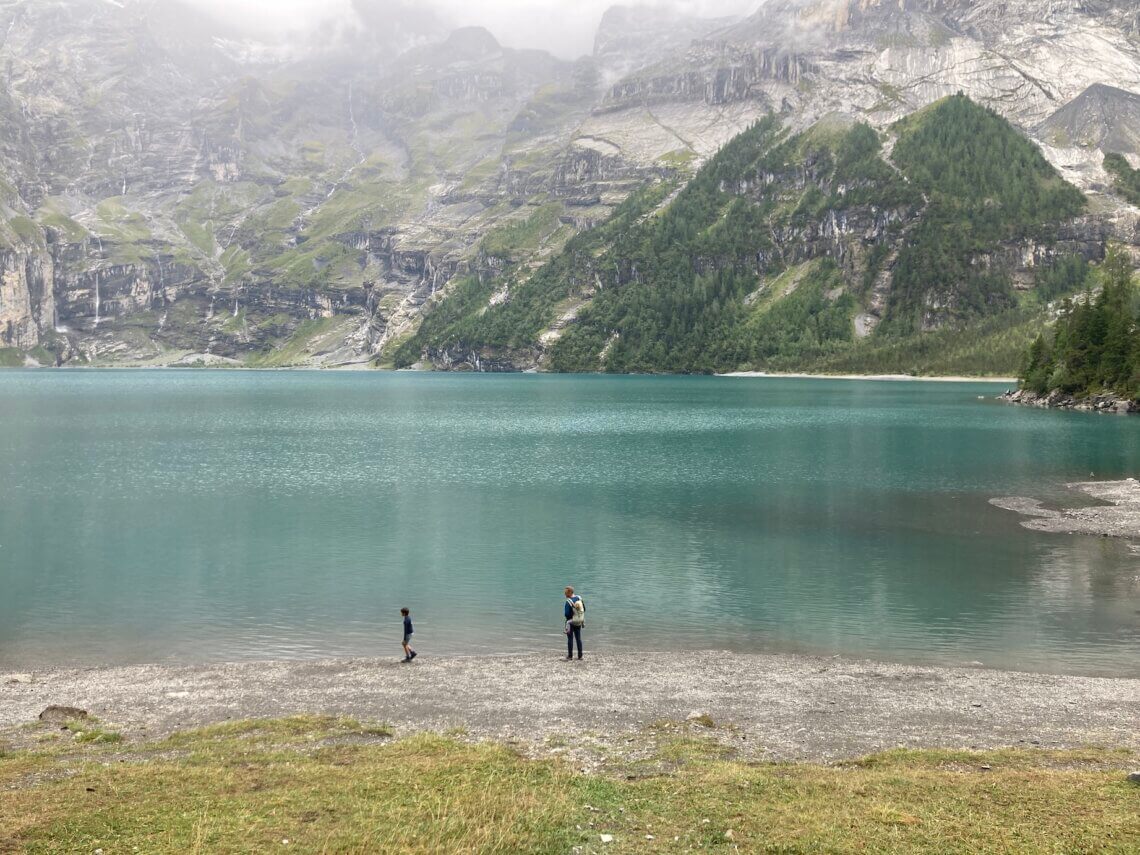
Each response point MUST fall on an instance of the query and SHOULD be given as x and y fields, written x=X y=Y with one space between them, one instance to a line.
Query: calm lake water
x=188 y=516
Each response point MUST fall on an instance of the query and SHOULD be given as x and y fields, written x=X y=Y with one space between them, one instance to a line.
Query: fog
x=564 y=27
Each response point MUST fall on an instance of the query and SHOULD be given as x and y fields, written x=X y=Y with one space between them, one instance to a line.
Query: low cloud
x=563 y=27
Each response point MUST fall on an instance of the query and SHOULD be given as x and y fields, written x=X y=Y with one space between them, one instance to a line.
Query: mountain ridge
x=317 y=208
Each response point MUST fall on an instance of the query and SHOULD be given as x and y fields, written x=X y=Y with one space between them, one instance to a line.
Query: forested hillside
x=1125 y=179
x=1094 y=347
x=986 y=185
x=799 y=252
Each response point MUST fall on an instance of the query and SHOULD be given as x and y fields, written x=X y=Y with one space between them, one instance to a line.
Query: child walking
x=409 y=653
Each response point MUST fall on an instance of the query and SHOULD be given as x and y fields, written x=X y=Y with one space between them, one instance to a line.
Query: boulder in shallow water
x=62 y=715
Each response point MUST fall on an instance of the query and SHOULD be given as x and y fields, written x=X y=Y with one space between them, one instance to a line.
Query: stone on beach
x=62 y=715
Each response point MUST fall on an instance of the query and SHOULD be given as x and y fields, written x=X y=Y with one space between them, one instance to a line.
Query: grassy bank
x=334 y=785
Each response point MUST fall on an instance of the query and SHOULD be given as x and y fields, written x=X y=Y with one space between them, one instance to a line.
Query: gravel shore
x=1117 y=516
x=770 y=706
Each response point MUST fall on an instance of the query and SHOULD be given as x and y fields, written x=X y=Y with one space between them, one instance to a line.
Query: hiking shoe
x=413 y=656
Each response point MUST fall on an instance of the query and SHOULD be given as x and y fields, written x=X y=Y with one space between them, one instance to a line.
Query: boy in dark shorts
x=409 y=653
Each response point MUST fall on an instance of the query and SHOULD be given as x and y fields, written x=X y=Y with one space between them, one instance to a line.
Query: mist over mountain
x=305 y=184
x=565 y=29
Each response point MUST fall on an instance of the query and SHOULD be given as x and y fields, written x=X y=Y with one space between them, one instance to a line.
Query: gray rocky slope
x=173 y=191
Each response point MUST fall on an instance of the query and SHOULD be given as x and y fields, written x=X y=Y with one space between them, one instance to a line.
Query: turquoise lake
x=197 y=516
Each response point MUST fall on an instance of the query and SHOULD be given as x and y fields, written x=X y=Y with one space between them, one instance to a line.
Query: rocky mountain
x=164 y=198
x=176 y=191
x=1102 y=118
x=631 y=38
x=881 y=59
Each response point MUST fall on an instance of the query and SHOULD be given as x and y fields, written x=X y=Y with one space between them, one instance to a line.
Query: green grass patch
x=234 y=323
x=122 y=224
x=71 y=231
x=527 y=233
x=329 y=785
x=42 y=355
x=301 y=344
x=10 y=357
x=26 y=230
x=91 y=730
x=680 y=159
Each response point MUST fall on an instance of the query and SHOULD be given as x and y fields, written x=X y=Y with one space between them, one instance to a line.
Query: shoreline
x=772 y=706
x=363 y=368
x=1107 y=403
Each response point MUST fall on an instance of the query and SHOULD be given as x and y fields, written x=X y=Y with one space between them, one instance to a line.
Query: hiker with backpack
x=574 y=610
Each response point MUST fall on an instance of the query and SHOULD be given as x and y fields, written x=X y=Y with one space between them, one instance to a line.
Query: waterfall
x=361 y=156
x=98 y=299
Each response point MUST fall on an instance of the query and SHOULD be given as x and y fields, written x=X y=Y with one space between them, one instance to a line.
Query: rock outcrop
x=1102 y=117
x=1058 y=400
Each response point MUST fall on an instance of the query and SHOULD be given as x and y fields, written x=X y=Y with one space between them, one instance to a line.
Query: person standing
x=574 y=610
x=409 y=653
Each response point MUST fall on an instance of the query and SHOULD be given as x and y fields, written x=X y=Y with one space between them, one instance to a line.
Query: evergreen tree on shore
x=1125 y=179
x=1095 y=346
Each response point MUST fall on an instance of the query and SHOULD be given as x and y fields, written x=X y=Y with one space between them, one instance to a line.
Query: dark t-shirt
x=408 y=625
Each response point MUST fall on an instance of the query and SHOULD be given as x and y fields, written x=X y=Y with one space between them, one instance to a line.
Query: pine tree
x=1115 y=305
x=1038 y=367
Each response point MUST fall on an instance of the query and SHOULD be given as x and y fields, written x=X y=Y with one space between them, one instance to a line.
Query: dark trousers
x=575 y=633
